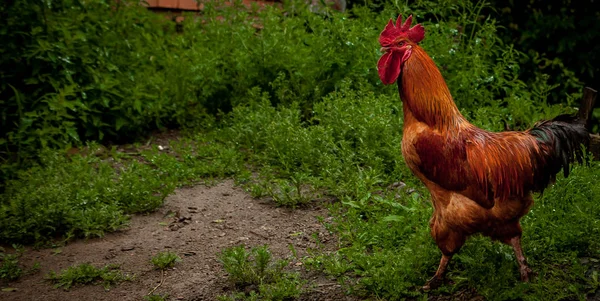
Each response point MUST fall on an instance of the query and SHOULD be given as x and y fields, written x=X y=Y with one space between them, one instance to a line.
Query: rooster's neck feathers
x=425 y=93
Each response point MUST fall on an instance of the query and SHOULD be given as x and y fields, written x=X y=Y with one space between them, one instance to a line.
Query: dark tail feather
x=560 y=139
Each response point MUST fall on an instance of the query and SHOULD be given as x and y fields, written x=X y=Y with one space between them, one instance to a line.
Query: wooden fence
x=178 y=6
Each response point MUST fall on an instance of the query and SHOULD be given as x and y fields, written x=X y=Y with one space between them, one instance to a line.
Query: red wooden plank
x=188 y=5
x=152 y=3
x=168 y=3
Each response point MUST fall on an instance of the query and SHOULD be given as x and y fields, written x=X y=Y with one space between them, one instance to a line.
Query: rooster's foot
x=433 y=283
x=526 y=273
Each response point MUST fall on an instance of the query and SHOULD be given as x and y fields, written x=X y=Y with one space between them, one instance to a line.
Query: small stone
x=184 y=218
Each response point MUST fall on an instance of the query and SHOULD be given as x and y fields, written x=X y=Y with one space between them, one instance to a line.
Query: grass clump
x=165 y=260
x=195 y=159
x=10 y=268
x=256 y=273
x=86 y=273
x=93 y=192
x=77 y=196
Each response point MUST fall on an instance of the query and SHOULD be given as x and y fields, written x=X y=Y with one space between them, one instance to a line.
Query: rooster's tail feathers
x=560 y=141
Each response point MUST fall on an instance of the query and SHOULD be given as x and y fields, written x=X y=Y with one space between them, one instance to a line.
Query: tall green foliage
x=111 y=71
x=75 y=71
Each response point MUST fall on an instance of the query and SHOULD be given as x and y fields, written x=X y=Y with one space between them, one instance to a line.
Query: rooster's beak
x=384 y=49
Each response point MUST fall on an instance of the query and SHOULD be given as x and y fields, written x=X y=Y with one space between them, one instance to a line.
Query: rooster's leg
x=515 y=242
x=449 y=242
x=438 y=278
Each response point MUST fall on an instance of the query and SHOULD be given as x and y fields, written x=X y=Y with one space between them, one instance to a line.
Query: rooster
x=480 y=181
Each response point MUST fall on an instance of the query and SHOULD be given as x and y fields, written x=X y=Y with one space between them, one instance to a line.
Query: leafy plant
x=164 y=260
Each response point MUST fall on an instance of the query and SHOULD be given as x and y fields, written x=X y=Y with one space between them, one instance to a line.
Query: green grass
x=86 y=273
x=78 y=196
x=84 y=195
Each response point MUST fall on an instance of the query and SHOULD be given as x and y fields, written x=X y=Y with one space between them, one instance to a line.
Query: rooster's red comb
x=392 y=32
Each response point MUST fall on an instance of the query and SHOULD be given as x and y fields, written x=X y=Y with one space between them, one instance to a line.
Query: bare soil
x=196 y=223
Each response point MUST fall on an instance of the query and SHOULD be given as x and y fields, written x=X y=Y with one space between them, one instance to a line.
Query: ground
x=196 y=223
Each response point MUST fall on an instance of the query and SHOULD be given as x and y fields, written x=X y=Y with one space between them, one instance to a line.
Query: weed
x=156 y=297
x=164 y=260
x=287 y=194
x=255 y=270
x=86 y=273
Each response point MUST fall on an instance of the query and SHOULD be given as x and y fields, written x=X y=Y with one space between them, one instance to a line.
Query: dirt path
x=196 y=223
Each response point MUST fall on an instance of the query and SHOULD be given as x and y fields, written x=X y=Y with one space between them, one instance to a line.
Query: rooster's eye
x=401 y=43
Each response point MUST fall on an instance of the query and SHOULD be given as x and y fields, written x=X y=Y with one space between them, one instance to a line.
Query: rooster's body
x=480 y=181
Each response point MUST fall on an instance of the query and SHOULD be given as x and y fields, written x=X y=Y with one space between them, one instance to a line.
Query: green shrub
x=97 y=71
x=76 y=71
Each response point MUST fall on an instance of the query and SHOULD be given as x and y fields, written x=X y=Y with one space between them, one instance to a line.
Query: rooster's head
x=396 y=43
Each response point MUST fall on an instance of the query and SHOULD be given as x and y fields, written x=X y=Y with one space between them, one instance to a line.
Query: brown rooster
x=480 y=181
